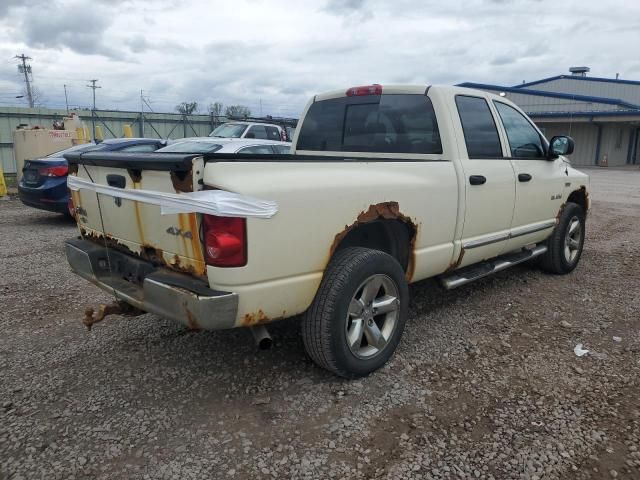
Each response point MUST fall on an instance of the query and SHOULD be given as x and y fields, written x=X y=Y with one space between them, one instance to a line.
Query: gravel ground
x=485 y=383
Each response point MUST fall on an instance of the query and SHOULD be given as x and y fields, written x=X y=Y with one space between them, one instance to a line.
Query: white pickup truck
x=385 y=186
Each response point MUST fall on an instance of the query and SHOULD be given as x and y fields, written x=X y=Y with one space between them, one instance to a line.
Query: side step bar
x=489 y=267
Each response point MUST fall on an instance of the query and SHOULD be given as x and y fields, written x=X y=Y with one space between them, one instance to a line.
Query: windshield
x=85 y=147
x=229 y=130
x=192 y=146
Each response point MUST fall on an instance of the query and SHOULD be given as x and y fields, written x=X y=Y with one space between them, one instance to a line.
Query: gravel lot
x=485 y=383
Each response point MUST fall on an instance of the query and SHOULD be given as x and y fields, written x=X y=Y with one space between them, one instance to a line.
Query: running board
x=479 y=270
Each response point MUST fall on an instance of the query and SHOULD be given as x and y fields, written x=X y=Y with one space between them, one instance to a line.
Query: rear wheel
x=357 y=317
x=566 y=243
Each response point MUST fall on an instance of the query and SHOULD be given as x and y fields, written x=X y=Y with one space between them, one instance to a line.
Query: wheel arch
x=382 y=227
x=580 y=197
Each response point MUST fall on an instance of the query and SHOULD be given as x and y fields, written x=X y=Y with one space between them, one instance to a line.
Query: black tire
x=556 y=260
x=325 y=323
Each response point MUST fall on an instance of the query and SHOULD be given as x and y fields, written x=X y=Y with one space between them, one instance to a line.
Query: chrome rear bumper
x=165 y=293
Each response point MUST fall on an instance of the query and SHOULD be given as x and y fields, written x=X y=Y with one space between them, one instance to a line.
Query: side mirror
x=560 y=145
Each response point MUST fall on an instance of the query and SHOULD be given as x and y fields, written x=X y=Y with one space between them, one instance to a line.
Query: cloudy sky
x=279 y=53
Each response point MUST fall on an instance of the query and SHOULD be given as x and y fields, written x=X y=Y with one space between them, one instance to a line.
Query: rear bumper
x=44 y=199
x=168 y=294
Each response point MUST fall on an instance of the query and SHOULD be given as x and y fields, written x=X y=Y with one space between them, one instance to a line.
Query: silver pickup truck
x=385 y=186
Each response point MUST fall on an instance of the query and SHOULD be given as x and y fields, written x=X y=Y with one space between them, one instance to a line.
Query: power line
x=26 y=69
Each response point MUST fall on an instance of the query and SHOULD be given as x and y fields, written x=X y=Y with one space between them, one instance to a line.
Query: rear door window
x=375 y=123
x=480 y=132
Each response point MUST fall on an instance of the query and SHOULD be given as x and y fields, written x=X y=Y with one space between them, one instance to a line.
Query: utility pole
x=141 y=115
x=26 y=69
x=66 y=98
x=93 y=87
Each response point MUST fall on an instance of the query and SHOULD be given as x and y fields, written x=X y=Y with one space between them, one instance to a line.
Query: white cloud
x=280 y=53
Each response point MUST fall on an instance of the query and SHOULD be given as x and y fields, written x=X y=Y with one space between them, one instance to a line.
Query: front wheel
x=357 y=317
x=566 y=242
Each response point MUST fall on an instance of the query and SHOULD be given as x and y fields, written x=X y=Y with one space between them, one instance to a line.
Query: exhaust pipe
x=262 y=337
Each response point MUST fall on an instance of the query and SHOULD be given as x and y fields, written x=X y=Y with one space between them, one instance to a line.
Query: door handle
x=477 y=179
x=117 y=181
x=524 y=177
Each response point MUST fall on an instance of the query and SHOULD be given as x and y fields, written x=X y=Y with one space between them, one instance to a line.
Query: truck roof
x=404 y=89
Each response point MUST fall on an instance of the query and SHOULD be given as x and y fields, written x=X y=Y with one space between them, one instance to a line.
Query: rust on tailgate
x=150 y=253
x=182 y=181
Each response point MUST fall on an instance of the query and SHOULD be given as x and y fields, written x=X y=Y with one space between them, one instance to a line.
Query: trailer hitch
x=114 y=308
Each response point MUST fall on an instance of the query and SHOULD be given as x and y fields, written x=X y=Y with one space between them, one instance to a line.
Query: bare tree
x=215 y=109
x=237 y=111
x=187 y=108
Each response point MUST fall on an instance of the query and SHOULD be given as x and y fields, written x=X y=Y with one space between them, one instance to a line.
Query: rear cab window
x=387 y=123
x=479 y=128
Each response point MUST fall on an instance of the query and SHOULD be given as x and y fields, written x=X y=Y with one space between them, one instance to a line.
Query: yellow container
x=3 y=186
x=29 y=144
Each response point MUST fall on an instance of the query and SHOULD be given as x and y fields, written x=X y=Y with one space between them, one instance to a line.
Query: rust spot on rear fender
x=251 y=319
x=383 y=211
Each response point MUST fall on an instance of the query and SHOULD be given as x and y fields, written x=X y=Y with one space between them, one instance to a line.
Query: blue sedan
x=44 y=181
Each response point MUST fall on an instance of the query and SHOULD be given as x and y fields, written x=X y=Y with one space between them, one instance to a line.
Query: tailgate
x=135 y=227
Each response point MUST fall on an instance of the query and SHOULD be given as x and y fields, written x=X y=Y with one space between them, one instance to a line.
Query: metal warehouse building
x=601 y=114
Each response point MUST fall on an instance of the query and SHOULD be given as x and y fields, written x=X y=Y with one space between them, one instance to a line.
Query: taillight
x=59 y=171
x=225 y=240
x=374 y=89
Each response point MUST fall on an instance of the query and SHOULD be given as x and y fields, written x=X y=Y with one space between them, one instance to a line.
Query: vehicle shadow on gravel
x=206 y=357
x=53 y=220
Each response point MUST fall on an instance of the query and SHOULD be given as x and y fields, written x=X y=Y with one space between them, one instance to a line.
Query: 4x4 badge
x=179 y=232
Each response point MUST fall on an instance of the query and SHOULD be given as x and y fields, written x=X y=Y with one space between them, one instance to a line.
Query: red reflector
x=59 y=171
x=374 y=89
x=225 y=240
